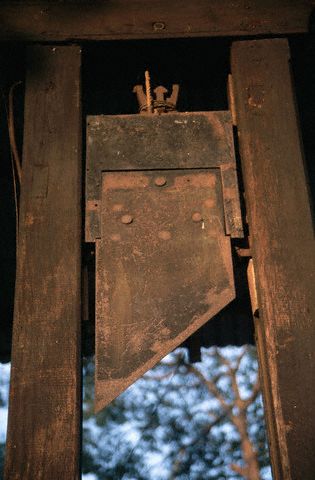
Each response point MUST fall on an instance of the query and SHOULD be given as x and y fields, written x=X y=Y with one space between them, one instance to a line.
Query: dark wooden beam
x=283 y=249
x=125 y=19
x=44 y=412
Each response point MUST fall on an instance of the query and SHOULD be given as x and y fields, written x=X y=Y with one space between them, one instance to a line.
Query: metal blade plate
x=148 y=142
x=163 y=268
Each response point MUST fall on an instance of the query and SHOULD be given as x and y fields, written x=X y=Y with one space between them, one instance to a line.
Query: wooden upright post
x=44 y=412
x=283 y=249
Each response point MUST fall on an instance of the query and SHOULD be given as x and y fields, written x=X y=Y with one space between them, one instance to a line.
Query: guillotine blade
x=163 y=268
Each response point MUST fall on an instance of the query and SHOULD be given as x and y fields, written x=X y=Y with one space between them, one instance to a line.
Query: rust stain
x=116 y=237
x=92 y=205
x=209 y=203
x=289 y=426
x=120 y=180
x=195 y=180
x=118 y=207
x=255 y=96
x=29 y=219
x=164 y=235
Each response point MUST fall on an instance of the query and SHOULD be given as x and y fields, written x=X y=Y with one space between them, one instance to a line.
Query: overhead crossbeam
x=125 y=19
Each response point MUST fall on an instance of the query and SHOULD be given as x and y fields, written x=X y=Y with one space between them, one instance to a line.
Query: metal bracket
x=172 y=141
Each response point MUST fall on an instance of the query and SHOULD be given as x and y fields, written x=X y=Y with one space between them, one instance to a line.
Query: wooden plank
x=125 y=19
x=44 y=413
x=283 y=250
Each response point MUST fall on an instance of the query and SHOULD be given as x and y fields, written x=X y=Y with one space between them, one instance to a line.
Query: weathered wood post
x=44 y=412
x=283 y=249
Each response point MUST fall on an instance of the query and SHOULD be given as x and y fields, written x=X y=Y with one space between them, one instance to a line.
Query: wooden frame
x=283 y=249
x=125 y=19
x=46 y=344
x=45 y=390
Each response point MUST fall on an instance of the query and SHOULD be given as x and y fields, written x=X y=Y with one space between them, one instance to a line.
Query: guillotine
x=151 y=207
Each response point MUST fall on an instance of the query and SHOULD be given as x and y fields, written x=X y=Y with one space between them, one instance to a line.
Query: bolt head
x=196 y=217
x=164 y=235
x=157 y=26
x=160 y=181
x=126 y=219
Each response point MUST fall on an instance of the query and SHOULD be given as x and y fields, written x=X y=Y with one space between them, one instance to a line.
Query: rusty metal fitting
x=243 y=252
x=158 y=26
x=196 y=217
x=160 y=181
x=126 y=219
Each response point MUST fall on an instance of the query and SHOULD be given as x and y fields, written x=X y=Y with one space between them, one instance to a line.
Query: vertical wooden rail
x=44 y=413
x=283 y=249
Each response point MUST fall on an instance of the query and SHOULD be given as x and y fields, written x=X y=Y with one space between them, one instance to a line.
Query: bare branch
x=211 y=387
x=232 y=374
x=147 y=376
x=241 y=356
x=256 y=391
x=238 y=469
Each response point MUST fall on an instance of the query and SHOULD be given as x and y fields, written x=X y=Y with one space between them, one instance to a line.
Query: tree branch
x=256 y=391
x=211 y=387
x=238 y=469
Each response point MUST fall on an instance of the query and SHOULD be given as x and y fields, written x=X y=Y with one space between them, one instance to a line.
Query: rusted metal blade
x=163 y=268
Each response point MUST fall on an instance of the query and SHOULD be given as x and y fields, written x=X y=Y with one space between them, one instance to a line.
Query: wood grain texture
x=125 y=19
x=44 y=414
x=281 y=230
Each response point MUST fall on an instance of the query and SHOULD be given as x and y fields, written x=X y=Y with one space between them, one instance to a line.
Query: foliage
x=4 y=393
x=181 y=421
